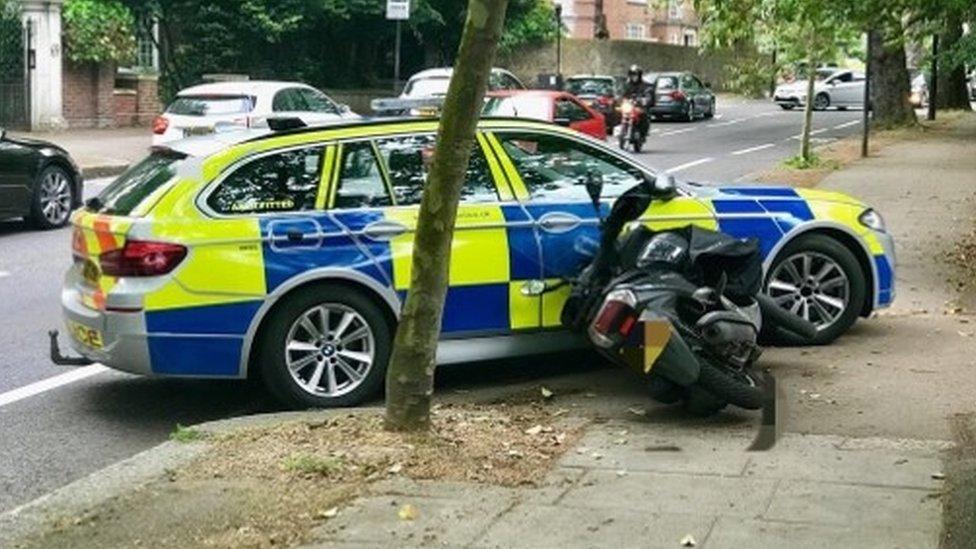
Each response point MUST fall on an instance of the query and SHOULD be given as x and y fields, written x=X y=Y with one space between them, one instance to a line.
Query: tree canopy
x=98 y=31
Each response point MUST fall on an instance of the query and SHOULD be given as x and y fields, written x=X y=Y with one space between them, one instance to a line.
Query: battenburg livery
x=287 y=254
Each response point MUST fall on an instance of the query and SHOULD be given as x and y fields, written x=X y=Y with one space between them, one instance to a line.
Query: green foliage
x=98 y=31
x=312 y=465
x=185 y=434
x=528 y=22
x=812 y=161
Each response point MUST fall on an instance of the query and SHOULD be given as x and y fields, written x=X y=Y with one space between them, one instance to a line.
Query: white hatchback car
x=204 y=109
x=833 y=87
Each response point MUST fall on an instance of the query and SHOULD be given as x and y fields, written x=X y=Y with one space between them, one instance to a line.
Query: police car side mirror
x=594 y=188
x=663 y=185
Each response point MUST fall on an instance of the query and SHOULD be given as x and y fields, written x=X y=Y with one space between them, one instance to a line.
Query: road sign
x=398 y=10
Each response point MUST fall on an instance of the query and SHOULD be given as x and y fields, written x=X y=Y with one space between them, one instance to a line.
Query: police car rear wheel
x=325 y=347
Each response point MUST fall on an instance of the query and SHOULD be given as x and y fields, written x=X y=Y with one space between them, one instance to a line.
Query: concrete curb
x=138 y=470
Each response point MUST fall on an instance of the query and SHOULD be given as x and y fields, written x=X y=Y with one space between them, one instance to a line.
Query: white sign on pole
x=398 y=10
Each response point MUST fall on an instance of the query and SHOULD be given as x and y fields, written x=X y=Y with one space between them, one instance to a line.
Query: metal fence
x=14 y=84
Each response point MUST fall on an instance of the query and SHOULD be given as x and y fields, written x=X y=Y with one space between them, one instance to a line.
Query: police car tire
x=701 y=403
x=273 y=368
x=839 y=253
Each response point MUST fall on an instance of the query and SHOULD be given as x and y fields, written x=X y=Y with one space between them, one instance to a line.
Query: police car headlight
x=872 y=220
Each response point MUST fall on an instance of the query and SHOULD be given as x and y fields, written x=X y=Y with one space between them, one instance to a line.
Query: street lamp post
x=559 y=46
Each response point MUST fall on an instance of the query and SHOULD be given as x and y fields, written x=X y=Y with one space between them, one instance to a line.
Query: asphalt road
x=60 y=424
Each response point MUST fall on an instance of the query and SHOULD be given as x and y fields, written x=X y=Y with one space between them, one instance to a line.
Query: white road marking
x=4 y=274
x=50 y=383
x=676 y=132
x=718 y=116
x=814 y=132
x=729 y=123
x=689 y=165
x=753 y=149
x=846 y=124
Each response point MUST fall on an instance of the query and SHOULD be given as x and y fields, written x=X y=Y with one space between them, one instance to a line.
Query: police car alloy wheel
x=325 y=347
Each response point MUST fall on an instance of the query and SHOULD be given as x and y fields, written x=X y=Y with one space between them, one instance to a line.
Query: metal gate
x=14 y=65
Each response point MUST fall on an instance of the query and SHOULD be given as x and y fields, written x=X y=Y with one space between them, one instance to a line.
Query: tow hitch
x=59 y=359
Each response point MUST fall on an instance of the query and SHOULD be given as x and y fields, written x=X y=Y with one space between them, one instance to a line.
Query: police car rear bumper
x=116 y=339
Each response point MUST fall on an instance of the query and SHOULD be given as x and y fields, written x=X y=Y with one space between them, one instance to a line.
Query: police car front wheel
x=325 y=347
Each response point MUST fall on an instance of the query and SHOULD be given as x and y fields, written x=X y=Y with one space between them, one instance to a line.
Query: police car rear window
x=139 y=182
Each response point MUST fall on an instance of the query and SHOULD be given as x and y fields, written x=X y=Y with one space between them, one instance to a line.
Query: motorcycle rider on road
x=641 y=93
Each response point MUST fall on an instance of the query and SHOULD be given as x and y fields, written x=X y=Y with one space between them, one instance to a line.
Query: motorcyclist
x=641 y=93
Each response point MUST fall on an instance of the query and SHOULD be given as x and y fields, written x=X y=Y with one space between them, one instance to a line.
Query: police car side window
x=408 y=162
x=555 y=169
x=281 y=182
x=360 y=182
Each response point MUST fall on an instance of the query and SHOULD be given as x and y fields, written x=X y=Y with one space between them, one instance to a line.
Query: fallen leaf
x=534 y=430
x=546 y=393
x=688 y=541
x=938 y=476
x=637 y=411
x=395 y=468
x=329 y=513
x=408 y=512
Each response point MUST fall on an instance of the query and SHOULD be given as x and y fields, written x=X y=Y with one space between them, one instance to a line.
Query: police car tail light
x=616 y=318
x=142 y=258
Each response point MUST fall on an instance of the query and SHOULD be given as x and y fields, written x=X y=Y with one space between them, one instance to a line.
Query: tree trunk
x=951 y=90
x=808 y=112
x=890 y=81
x=410 y=378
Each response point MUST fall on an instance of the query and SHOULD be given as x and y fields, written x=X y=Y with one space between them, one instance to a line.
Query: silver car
x=833 y=87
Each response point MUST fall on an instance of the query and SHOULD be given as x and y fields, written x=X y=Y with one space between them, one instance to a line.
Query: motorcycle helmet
x=665 y=250
x=634 y=74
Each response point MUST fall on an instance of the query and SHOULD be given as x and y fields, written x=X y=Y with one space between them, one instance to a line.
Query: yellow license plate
x=89 y=337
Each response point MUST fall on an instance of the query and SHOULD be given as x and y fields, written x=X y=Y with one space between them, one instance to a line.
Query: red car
x=552 y=106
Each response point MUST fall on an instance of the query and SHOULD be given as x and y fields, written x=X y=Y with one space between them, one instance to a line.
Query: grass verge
x=272 y=486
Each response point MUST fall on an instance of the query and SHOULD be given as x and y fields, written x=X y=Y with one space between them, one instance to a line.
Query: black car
x=38 y=181
x=680 y=95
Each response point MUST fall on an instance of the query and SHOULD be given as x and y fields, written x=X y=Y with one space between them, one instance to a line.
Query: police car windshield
x=138 y=183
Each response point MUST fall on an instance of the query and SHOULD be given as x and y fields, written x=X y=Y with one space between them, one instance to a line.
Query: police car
x=287 y=254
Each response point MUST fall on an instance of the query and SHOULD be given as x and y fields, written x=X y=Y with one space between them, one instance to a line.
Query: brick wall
x=136 y=99
x=87 y=96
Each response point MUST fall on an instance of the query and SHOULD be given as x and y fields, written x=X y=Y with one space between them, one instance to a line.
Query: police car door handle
x=383 y=230
x=295 y=235
x=559 y=222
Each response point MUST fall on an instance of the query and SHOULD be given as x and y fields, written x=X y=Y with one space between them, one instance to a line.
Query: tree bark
x=808 y=111
x=951 y=92
x=410 y=378
x=890 y=81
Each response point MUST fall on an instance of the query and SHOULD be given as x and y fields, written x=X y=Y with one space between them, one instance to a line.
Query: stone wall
x=613 y=57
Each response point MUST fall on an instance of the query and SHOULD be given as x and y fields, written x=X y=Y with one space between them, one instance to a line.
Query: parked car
x=38 y=181
x=562 y=108
x=680 y=95
x=600 y=92
x=434 y=82
x=920 y=91
x=424 y=92
x=207 y=108
x=832 y=87
x=289 y=254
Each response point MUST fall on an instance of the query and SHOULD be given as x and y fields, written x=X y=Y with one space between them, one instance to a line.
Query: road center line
x=846 y=124
x=4 y=274
x=689 y=165
x=675 y=132
x=50 y=383
x=753 y=149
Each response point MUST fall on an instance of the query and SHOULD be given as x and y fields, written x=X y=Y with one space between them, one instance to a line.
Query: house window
x=675 y=39
x=147 y=57
x=674 y=9
x=691 y=39
x=636 y=31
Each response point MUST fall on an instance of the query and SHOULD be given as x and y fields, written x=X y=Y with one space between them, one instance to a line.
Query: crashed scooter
x=681 y=307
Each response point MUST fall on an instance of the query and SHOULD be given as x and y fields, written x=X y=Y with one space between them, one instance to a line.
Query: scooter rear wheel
x=743 y=389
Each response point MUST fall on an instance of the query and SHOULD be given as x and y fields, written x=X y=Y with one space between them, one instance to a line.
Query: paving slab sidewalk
x=100 y=152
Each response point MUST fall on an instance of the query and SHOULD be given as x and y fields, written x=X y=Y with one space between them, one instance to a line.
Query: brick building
x=671 y=22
